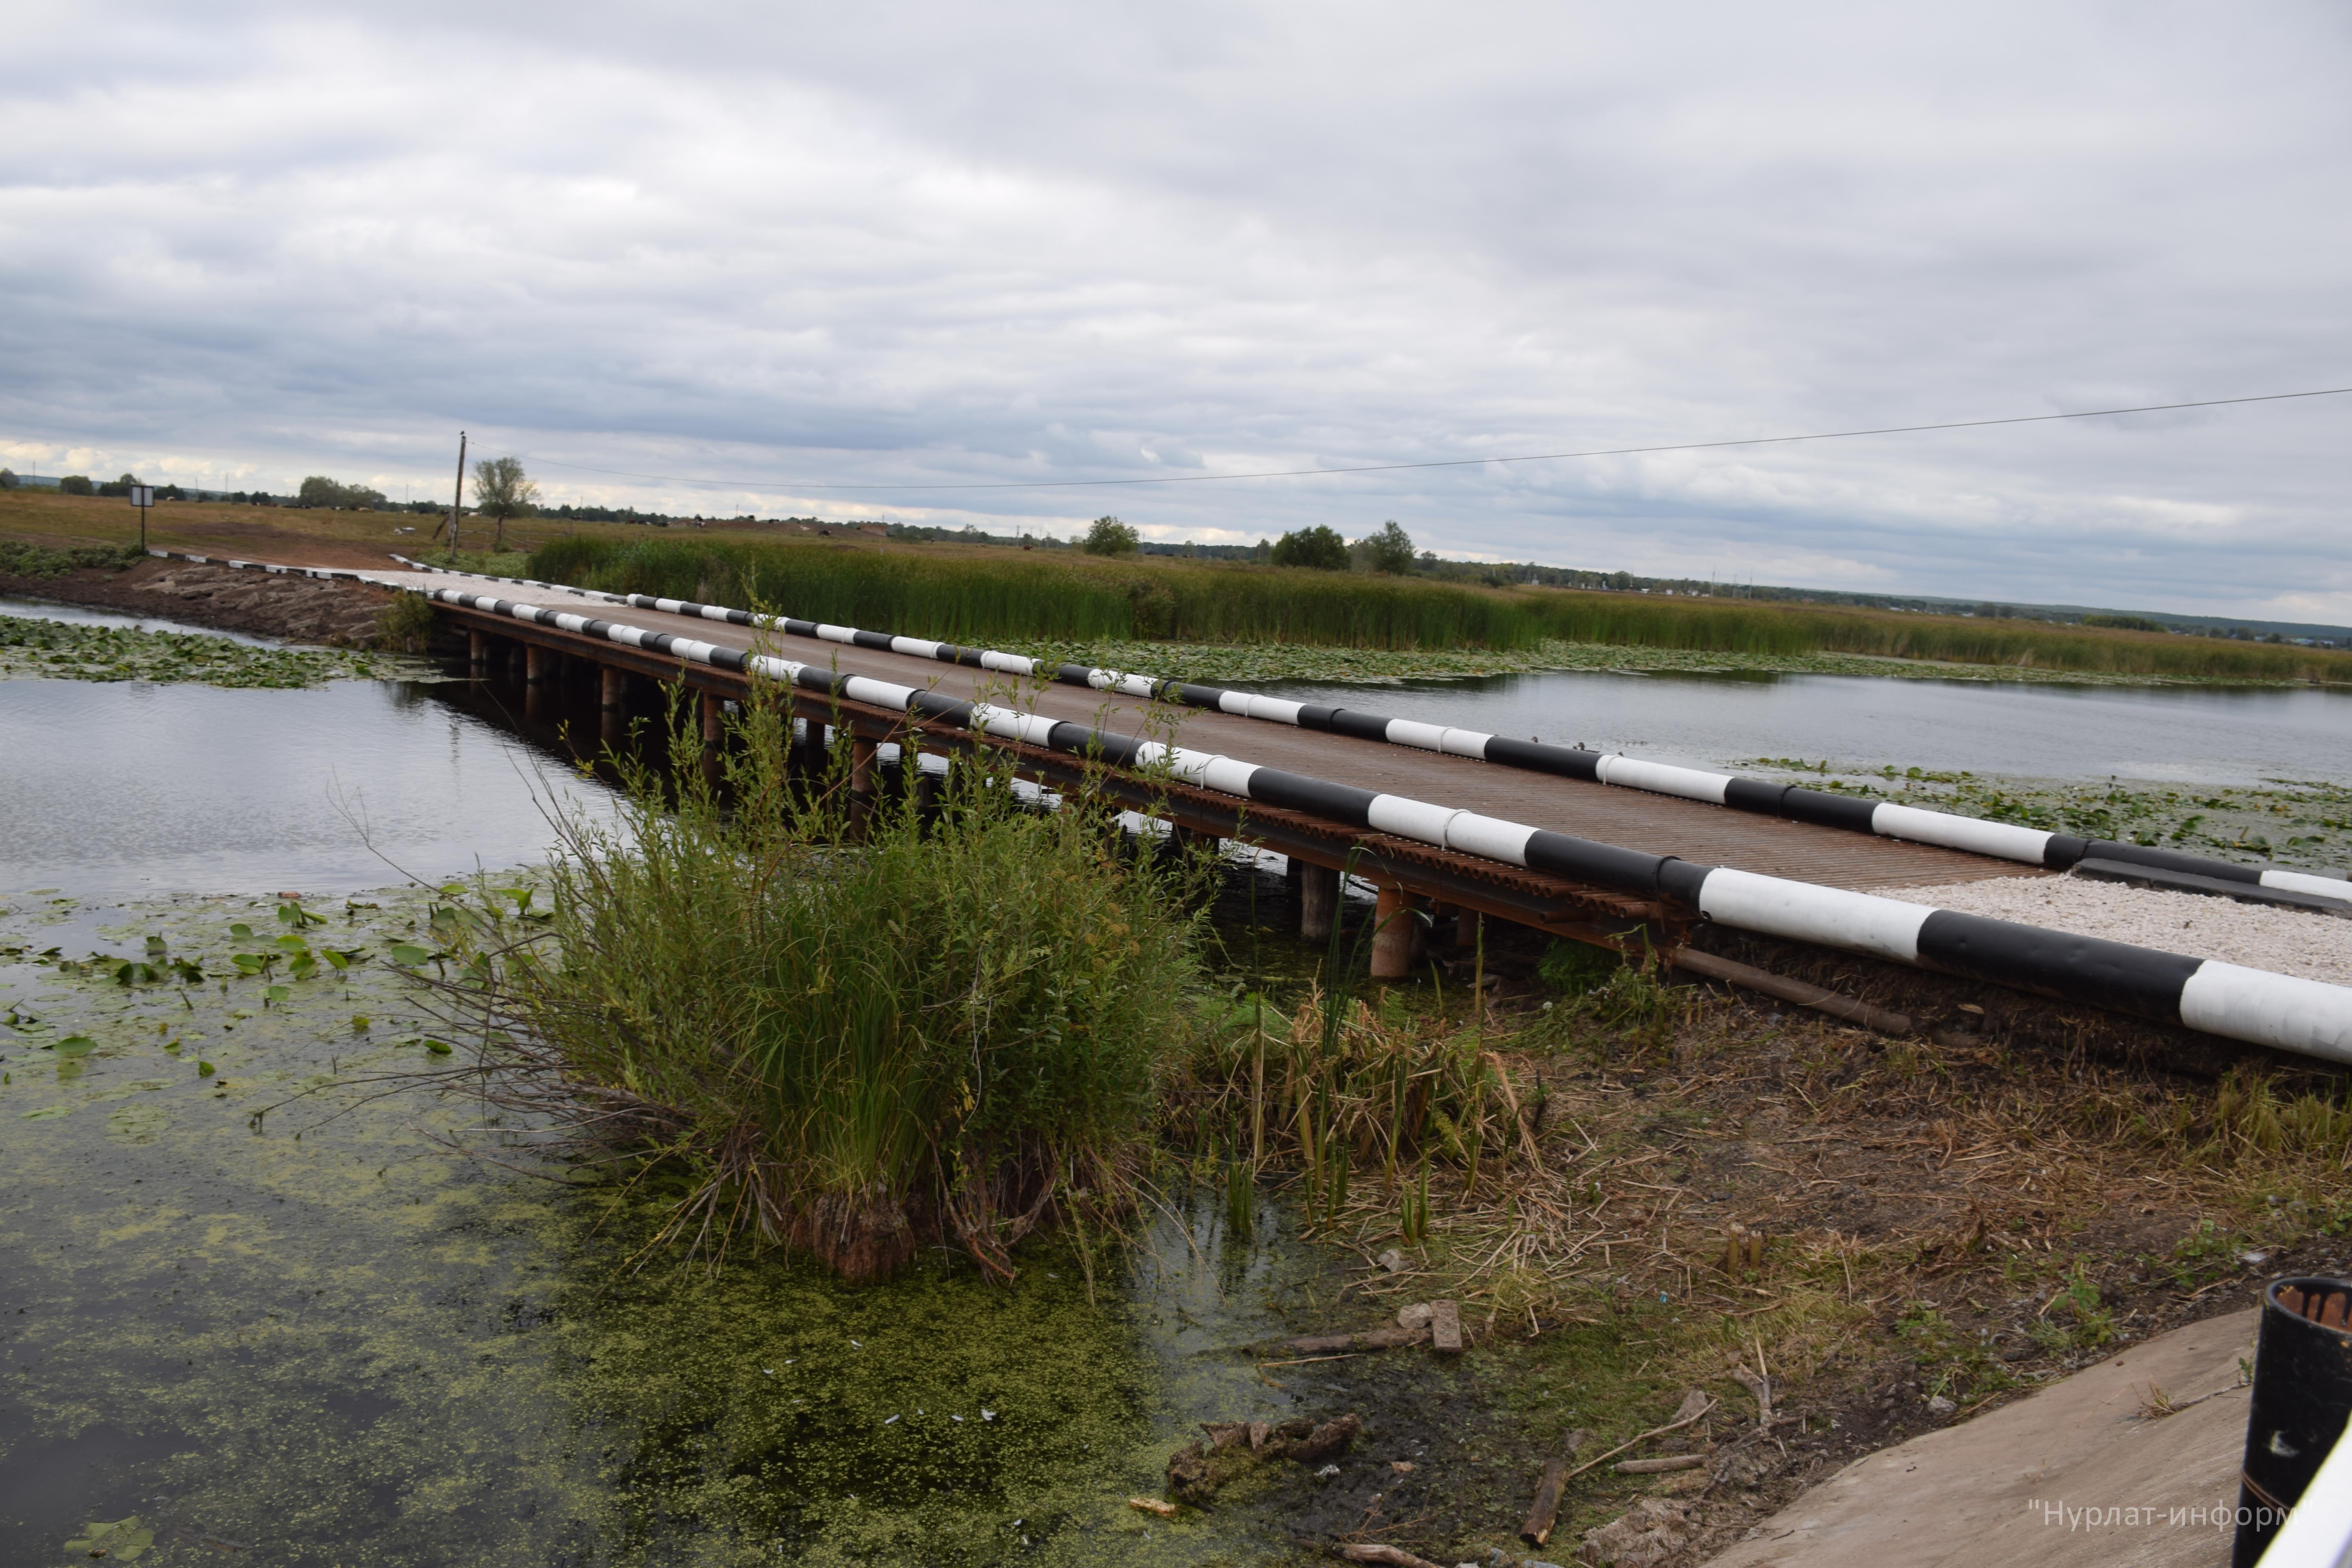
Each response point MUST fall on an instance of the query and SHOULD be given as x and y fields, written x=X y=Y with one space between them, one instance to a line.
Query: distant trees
x=503 y=490
x=1390 y=549
x=121 y=487
x=8 y=479
x=76 y=485
x=321 y=491
x=1108 y=536
x=1317 y=547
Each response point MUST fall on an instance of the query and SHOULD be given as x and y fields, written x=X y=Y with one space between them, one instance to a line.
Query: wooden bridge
x=1406 y=874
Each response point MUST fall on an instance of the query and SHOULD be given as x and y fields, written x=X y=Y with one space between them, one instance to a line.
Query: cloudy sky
x=713 y=257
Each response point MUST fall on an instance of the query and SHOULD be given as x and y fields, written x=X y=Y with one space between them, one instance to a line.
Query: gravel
x=2285 y=942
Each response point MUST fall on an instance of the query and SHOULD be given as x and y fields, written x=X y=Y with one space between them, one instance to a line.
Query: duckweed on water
x=2293 y=822
x=64 y=650
x=263 y=1307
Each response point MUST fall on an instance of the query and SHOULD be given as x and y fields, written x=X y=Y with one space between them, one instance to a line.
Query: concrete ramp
x=2078 y=1476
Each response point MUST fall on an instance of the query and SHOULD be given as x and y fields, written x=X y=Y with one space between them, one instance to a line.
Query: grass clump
x=19 y=558
x=855 y=1031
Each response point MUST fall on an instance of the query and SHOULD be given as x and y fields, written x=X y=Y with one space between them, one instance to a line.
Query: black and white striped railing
x=2250 y=1005
x=2000 y=840
x=322 y=573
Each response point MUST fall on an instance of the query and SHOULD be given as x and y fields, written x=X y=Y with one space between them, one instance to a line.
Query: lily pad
x=76 y=1046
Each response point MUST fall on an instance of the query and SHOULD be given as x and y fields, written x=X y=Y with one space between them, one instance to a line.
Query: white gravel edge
x=2258 y=936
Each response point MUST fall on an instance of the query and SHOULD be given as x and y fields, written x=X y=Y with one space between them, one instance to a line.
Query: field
x=1388 y=626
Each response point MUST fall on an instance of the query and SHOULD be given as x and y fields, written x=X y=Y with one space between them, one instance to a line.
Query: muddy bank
x=295 y=609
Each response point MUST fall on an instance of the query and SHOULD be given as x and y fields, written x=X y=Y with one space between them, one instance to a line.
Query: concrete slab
x=2075 y=1477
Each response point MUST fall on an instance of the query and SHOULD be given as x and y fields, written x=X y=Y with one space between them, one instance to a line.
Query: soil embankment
x=297 y=609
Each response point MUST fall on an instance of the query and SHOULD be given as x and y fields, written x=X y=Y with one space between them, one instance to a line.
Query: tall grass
x=1009 y=596
x=852 y=1033
x=1016 y=596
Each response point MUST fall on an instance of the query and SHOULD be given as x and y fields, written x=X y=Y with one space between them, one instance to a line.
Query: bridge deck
x=1659 y=825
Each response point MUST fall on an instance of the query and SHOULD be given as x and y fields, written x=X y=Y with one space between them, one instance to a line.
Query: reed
x=854 y=1030
x=1013 y=598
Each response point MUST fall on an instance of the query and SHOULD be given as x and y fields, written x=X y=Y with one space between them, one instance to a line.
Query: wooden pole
x=458 y=497
x=1392 y=936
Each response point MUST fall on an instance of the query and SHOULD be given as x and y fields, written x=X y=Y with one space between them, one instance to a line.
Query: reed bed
x=1006 y=597
x=854 y=1030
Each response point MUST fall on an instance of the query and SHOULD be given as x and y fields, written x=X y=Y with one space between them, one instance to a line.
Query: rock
x=1939 y=1406
x=1694 y=1403
x=1392 y=1260
x=1652 y=1533
x=1749 y=1465
x=1446 y=1327
x=1414 y=1317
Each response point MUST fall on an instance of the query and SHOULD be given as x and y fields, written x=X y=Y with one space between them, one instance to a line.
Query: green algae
x=74 y=650
x=266 y=1306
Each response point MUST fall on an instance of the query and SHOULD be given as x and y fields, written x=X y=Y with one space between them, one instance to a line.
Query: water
x=2192 y=735
x=127 y=788
x=353 y=1347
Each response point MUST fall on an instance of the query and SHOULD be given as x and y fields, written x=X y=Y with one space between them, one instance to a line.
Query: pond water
x=2195 y=735
x=257 y=1304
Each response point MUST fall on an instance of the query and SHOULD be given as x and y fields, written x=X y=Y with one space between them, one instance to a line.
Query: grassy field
x=1004 y=596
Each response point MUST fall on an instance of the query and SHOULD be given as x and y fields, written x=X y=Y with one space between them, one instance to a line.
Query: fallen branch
x=1544 y=1510
x=1637 y=1442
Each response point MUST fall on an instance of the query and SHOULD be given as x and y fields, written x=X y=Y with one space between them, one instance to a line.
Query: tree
x=8 y=479
x=121 y=487
x=502 y=490
x=1317 y=547
x=1108 y=536
x=321 y=491
x=76 y=485
x=1390 y=549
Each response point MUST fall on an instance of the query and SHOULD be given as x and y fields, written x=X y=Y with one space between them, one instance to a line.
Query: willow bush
x=852 y=1033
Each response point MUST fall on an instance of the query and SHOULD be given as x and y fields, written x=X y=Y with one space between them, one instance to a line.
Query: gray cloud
x=940 y=245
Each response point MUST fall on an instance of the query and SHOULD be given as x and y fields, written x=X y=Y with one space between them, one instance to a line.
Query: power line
x=1458 y=462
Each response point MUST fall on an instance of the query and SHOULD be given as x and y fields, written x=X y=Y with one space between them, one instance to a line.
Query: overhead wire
x=799 y=486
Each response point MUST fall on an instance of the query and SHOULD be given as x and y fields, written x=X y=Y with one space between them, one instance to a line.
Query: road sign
x=142 y=495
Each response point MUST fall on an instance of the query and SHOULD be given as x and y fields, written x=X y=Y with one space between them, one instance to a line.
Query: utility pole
x=457 y=497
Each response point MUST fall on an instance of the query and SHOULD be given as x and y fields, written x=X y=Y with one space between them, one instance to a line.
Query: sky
x=713 y=257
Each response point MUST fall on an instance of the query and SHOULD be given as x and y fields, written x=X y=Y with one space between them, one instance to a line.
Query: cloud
x=940 y=246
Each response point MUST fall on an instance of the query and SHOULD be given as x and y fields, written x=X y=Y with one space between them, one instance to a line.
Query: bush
x=8 y=479
x=76 y=485
x=1318 y=547
x=856 y=1036
x=405 y=623
x=18 y=559
x=2125 y=623
x=321 y=491
x=1389 y=549
x=1108 y=536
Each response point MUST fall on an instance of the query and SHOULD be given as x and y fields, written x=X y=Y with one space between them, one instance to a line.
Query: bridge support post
x=1318 y=900
x=477 y=649
x=714 y=720
x=1465 y=927
x=536 y=662
x=861 y=766
x=616 y=689
x=1395 y=934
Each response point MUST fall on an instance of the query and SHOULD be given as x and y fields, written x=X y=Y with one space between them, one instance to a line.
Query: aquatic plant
x=71 y=650
x=853 y=1028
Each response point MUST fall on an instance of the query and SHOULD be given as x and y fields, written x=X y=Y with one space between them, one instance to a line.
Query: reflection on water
x=2159 y=734
x=129 y=788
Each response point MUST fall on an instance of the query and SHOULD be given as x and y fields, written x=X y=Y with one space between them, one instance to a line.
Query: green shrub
x=1318 y=549
x=855 y=1035
x=18 y=559
x=405 y=623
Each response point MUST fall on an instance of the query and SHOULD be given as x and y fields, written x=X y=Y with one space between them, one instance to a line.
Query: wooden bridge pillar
x=477 y=649
x=1318 y=900
x=536 y=662
x=615 y=692
x=1396 y=934
x=861 y=766
x=714 y=720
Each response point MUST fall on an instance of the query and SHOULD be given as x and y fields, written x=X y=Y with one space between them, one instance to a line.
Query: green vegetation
x=2126 y=623
x=1389 y=548
x=1318 y=549
x=69 y=650
x=18 y=559
x=858 y=1031
x=2293 y=822
x=503 y=493
x=1108 y=536
x=76 y=484
x=1006 y=597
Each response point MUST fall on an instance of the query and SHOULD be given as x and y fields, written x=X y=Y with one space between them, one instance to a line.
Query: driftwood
x=1545 y=1511
x=1394 y=1557
x=1762 y=1388
x=1348 y=1344
x=1660 y=1466
x=1196 y=1472
x=1637 y=1442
